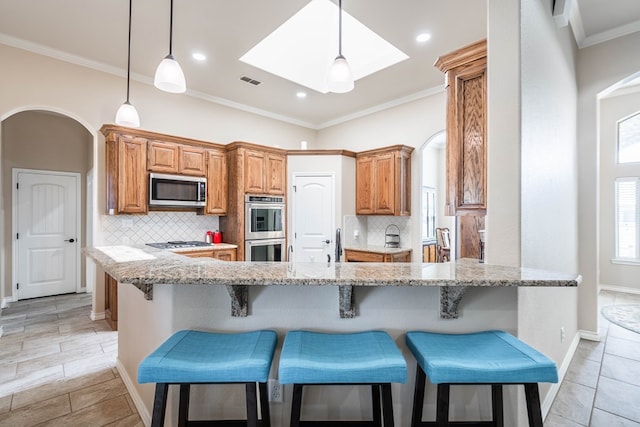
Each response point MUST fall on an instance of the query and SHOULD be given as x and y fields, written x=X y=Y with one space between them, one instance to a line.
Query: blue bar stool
x=490 y=357
x=362 y=358
x=194 y=357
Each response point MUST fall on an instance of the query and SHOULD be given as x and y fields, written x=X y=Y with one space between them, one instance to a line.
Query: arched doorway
x=432 y=196
x=44 y=140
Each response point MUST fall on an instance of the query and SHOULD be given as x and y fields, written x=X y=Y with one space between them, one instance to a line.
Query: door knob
x=70 y=240
x=326 y=241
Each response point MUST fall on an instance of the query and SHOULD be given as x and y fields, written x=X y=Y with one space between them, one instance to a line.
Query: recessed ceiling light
x=301 y=95
x=199 y=56
x=421 y=38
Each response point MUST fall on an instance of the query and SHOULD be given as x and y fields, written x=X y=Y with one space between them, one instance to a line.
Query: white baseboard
x=1 y=331
x=562 y=371
x=590 y=335
x=97 y=316
x=622 y=289
x=6 y=301
x=137 y=400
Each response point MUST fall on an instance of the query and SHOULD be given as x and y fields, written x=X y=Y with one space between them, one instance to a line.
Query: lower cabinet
x=221 y=254
x=429 y=252
x=111 y=301
x=356 y=255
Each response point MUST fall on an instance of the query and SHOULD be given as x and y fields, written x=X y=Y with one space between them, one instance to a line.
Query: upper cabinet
x=132 y=153
x=127 y=184
x=180 y=159
x=466 y=85
x=264 y=172
x=383 y=181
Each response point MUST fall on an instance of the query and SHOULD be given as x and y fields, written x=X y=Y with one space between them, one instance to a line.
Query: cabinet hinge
x=295 y=189
x=17 y=185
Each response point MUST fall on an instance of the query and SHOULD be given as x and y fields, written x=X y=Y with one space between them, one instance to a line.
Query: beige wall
x=613 y=109
x=43 y=141
x=599 y=68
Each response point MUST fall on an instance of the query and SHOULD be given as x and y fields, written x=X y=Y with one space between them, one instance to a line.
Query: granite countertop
x=144 y=265
x=377 y=249
x=214 y=246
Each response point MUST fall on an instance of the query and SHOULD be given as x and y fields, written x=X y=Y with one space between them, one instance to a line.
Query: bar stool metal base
x=442 y=405
x=160 y=407
x=384 y=412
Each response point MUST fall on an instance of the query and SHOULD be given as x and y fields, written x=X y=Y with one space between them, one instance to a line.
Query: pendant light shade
x=127 y=115
x=169 y=76
x=340 y=78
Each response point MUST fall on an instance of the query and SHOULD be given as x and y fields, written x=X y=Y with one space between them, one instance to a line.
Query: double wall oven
x=264 y=218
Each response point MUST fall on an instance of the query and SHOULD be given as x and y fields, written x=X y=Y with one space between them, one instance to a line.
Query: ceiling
x=94 y=33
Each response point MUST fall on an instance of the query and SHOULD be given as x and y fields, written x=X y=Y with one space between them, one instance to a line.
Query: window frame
x=618 y=123
x=617 y=227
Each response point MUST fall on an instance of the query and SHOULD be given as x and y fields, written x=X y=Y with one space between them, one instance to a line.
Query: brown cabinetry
x=176 y=158
x=217 y=184
x=383 y=181
x=264 y=172
x=127 y=185
x=221 y=254
x=466 y=85
x=429 y=252
x=358 y=255
x=111 y=301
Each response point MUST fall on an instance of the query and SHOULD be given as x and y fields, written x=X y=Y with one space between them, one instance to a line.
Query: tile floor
x=57 y=368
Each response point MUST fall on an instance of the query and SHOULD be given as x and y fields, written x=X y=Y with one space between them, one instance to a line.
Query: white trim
x=7 y=300
x=564 y=367
x=625 y=261
x=590 y=335
x=611 y=34
x=1 y=331
x=622 y=289
x=133 y=392
x=97 y=316
x=14 y=225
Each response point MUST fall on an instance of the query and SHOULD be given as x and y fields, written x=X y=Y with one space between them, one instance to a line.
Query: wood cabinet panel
x=162 y=157
x=383 y=181
x=276 y=178
x=355 y=255
x=221 y=254
x=217 y=184
x=254 y=172
x=111 y=301
x=429 y=252
x=127 y=176
x=466 y=80
x=192 y=161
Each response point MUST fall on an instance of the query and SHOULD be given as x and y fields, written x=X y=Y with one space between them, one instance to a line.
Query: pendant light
x=169 y=76
x=340 y=78
x=127 y=114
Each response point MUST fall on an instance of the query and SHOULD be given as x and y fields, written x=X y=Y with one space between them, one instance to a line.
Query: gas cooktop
x=175 y=244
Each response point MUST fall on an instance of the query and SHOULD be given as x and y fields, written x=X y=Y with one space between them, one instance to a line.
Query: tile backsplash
x=371 y=230
x=156 y=227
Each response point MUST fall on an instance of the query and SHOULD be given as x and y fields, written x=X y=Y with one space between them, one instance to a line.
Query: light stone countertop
x=144 y=266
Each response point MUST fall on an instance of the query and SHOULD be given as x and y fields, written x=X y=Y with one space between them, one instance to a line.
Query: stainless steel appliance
x=176 y=244
x=273 y=250
x=177 y=190
x=264 y=217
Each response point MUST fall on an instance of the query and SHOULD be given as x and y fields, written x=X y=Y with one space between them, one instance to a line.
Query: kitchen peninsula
x=161 y=292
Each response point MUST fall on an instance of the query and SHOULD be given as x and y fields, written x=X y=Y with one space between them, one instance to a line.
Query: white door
x=46 y=233
x=313 y=219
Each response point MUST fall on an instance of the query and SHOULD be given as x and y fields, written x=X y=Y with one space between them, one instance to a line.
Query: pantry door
x=46 y=232
x=313 y=218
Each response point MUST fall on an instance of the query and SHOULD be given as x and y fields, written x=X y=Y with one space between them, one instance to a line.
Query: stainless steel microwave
x=177 y=190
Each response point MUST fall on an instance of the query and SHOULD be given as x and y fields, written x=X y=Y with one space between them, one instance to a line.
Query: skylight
x=302 y=49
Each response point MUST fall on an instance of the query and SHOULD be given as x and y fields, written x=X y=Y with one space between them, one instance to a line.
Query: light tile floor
x=602 y=385
x=57 y=369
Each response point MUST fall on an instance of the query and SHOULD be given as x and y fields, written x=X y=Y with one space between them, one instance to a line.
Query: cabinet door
x=132 y=175
x=403 y=184
x=205 y=253
x=384 y=184
x=254 y=172
x=192 y=161
x=216 y=182
x=111 y=301
x=364 y=185
x=362 y=256
x=276 y=173
x=225 y=254
x=163 y=157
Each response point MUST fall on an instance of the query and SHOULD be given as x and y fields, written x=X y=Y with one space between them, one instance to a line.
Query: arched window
x=629 y=139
